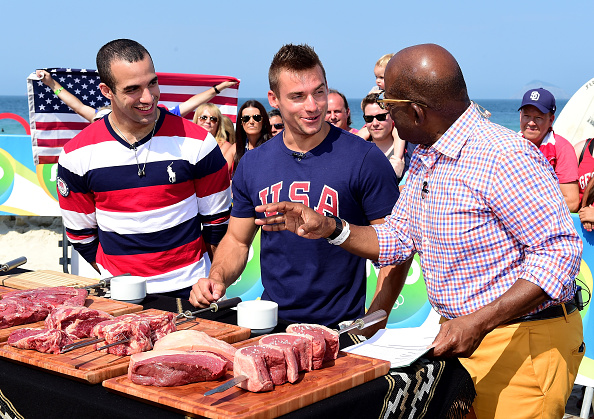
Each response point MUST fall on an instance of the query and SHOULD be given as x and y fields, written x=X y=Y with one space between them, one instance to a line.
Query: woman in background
x=253 y=130
x=209 y=117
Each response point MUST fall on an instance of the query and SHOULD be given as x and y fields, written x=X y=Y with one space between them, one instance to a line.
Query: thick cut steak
x=297 y=350
x=76 y=320
x=52 y=296
x=195 y=340
x=43 y=340
x=17 y=311
x=175 y=368
x=135 y=329
x=322 y=337
x=264 y=366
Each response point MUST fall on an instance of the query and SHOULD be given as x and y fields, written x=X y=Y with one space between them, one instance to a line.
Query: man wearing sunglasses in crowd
x=381 y=133
x=499 y=265
x=325 y=168
x=276 y=121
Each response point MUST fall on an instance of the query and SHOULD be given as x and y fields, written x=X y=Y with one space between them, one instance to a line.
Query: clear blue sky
x=500 y=45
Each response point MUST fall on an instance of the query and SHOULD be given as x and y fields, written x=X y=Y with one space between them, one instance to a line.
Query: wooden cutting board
x=36 y=279
x=113 y=307
x=86 y=364
x=346 y=372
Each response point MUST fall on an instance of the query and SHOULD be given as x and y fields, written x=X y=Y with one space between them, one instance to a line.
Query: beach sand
x=36 y=238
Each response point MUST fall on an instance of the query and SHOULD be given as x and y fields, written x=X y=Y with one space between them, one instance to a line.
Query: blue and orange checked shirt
x=482 y=208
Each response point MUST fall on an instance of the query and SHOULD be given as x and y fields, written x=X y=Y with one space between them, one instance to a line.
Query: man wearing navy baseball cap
x=537 y=114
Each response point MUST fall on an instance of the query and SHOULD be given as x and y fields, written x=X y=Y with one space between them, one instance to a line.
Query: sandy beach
x=36 y=238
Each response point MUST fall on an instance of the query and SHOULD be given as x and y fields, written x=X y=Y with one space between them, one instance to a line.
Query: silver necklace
x=141 y=171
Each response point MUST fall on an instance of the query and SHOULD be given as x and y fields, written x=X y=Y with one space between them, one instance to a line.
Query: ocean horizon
x=503 y=111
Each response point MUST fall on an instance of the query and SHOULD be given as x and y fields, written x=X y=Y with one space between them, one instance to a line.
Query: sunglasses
x=279 y=126
x=381 y=117
x=246 y=118
x=386 y=103
x=212 y=118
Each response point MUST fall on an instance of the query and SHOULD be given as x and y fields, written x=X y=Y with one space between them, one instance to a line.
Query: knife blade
x=5 y=267
x=226 y=386
x=214 y=307
x=365 y=321
x=103 y=283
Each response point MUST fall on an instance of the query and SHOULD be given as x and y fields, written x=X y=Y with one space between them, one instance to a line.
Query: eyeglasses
x=212 y=118
x=279 y=126
x=381 y=117
x=385 y=103
x=246 y=118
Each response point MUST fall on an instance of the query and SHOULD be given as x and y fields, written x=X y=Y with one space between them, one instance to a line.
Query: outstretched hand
x=295 y=217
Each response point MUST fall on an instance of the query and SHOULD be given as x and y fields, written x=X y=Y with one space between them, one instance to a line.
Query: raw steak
x=52 y=296
x=297 y=350
x=17 y=311
x=50 y=341
x=194 y=340
x=160 y=324
x=264 y=366
x=76 y=320
x=322 y=337
x=135 y=329
x=175 y=368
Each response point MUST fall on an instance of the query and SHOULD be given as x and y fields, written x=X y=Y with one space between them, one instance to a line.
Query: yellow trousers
x=527 y=370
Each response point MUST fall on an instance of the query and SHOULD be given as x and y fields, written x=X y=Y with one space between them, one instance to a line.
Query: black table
x=35 y=393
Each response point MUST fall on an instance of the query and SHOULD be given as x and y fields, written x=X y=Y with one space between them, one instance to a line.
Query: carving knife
x=13 y=264
x=359 y=324
x=214 y=307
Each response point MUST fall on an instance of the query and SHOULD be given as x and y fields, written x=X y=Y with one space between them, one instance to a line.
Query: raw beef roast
x=322 y=337
x=194 y=340
x=137 y=330
x=43 y=340
x=17 y=311
x=76 y=320
x=297 y=350
x=175 y=368
x=264 y=366
x=52 y=296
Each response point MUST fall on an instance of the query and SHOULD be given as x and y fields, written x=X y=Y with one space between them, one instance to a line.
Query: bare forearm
x=229 y=261
x=362 y=242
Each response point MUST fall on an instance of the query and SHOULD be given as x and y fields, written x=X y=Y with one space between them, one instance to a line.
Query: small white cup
x=131 y=289
x=259 y=315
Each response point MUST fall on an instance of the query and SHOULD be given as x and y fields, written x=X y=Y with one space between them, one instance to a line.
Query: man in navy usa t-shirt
x=326 y=168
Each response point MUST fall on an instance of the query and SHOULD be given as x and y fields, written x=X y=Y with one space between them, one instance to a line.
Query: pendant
x=141 y=172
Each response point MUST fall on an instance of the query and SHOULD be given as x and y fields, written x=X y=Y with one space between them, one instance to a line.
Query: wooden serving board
x=86 y=364
x=346 y=372
x=113 y=307
x=37 y=279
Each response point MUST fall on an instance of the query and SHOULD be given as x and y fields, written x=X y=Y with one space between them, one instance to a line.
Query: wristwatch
x=338 y=228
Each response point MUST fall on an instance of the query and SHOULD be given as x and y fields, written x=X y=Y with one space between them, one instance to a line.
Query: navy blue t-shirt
x=311 y=280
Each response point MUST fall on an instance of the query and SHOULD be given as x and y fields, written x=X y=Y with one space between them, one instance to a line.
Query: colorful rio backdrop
x=26 y=189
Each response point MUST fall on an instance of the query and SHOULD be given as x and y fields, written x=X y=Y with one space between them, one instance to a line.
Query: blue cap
x=541 y=98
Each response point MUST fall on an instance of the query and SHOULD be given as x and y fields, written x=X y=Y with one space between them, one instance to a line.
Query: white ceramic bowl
x=131 y=289
x=258 y=315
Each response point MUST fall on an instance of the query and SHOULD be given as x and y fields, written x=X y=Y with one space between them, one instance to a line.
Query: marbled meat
x=135 y=329
x=77 y=321
x=264 y=366
x=325 y=341
x=43 y=340
x=297 y=350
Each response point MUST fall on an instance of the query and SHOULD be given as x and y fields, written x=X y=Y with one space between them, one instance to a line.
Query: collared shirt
x=482 y=208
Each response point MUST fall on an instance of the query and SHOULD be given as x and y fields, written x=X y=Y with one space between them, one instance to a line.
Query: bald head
x=428 y=74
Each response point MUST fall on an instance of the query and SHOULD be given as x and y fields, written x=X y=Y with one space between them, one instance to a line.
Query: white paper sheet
x=401 y=347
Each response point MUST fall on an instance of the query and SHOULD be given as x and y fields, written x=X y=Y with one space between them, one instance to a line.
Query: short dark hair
x=346 y=103
x=274 y=112
x=118 y=49
x=292 y=58
x=370 y=99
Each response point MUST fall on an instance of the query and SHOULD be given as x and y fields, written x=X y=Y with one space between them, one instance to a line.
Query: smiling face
x=136 y=93
x=534 y=124
x=302 y=100
x=205 y=121
x=378 y=130
x=337 y=114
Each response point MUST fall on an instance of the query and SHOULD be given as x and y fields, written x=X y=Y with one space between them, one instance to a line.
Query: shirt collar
x=452 y=141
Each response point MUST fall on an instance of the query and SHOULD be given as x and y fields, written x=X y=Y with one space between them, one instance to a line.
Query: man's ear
x=272 y=99
x=106 y=91
x=419 y=113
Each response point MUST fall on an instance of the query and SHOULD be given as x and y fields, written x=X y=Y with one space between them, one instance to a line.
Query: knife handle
x=228 y=303
x=372 y=318
x=13 y=264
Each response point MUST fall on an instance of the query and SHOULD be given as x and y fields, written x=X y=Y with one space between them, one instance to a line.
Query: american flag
x=53 y=123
